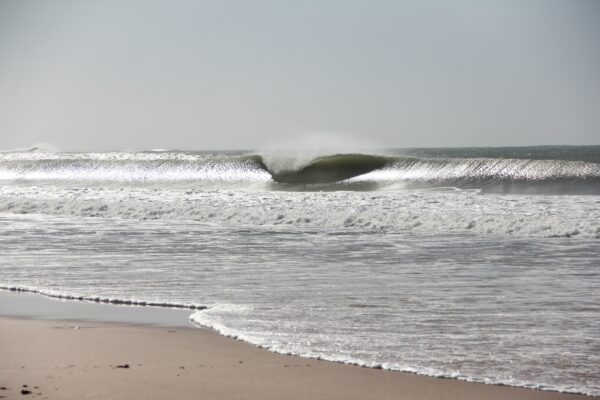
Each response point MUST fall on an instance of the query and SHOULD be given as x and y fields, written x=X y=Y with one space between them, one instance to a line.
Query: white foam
x=489 y=308
x=220 y=318
x=424 y=212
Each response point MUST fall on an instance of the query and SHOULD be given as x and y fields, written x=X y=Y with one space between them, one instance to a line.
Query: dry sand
x=89 y=360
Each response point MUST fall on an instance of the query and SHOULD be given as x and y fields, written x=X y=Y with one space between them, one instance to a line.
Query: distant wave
x=330 y=172
x=36 y=147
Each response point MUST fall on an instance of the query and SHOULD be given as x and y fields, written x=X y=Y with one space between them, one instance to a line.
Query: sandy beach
x=299 y=200
x=98 y=360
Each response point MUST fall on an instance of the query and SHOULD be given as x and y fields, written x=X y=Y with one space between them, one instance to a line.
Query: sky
x=193 y=74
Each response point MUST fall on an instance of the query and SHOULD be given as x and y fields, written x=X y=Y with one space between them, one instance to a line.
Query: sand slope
x=80 y=360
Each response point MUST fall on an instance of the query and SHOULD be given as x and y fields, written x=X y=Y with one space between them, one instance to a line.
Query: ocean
x=481 y=264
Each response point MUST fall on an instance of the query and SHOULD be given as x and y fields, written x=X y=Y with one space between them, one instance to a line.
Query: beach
x=59 y=349
x=299 y=200
x=475 y=265
x=72 y=359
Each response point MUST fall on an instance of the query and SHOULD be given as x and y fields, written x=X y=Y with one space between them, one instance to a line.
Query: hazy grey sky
x=97 y=75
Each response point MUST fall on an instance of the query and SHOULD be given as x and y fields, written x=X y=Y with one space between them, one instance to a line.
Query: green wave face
x=332 y=169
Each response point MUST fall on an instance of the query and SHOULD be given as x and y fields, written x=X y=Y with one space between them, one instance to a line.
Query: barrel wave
x=330 y=169
x=529 y=174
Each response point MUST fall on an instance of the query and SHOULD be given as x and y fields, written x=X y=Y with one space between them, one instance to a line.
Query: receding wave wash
x=478 y=264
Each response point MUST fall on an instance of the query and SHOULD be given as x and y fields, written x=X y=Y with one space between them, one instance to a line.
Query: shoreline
x=77 y=357
x=30 y=304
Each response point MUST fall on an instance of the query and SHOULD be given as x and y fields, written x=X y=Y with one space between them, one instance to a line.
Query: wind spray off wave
x=361 y=171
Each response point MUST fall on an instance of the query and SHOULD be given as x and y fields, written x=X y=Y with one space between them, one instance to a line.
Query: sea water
x=477 y=264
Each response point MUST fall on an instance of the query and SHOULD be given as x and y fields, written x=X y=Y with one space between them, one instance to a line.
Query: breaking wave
x=330 y=172
x=328 y=169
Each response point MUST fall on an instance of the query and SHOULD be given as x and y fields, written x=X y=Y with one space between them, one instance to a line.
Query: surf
x=371 y=171
x=328 y=169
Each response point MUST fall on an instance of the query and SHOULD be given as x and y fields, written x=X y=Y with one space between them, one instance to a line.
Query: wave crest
x=353 y=171
x=329 y=169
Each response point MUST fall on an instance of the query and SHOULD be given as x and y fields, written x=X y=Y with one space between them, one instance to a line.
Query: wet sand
x=48 y=359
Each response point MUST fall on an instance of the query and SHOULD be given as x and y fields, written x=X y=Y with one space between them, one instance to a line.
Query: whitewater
x=478 y=263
